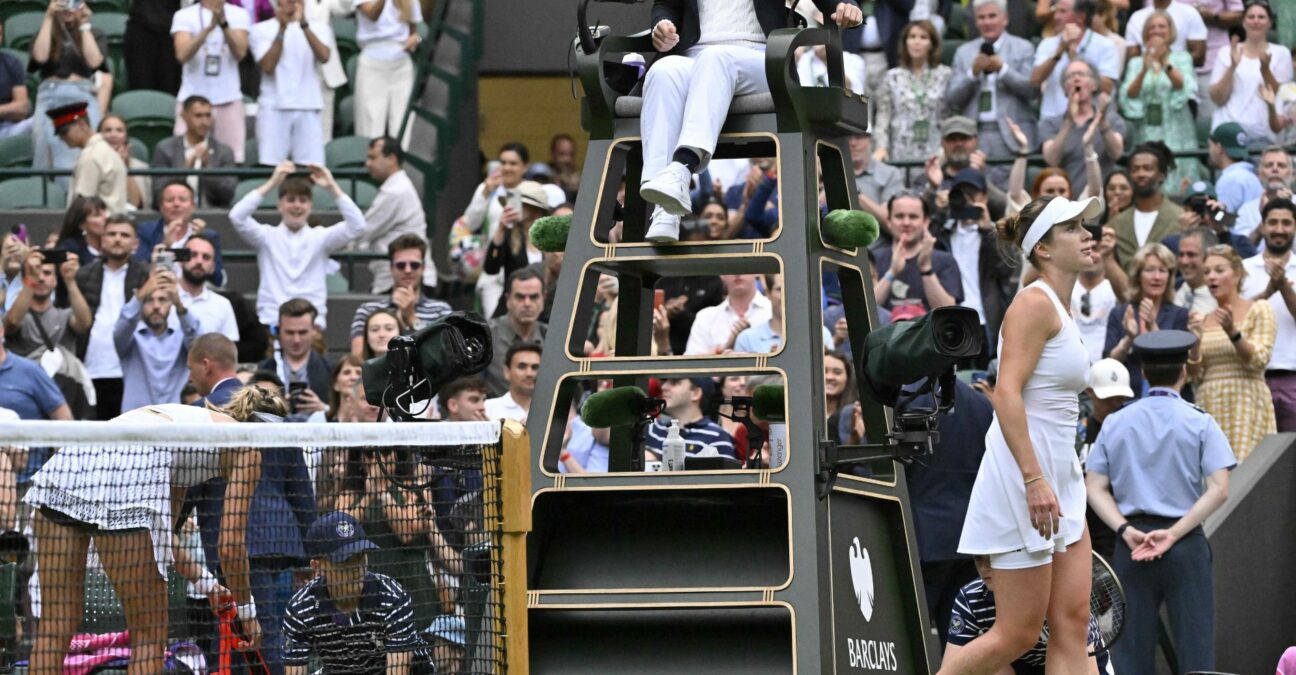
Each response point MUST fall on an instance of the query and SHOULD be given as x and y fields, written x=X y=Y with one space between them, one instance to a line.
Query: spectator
x=397 y=212
x=1269 y=276
x=1145 y=479
x=988 y=281
x=292 y=259
x=521 y=365
x=377 y=635
x=1187 y=33
x=154 y=355
x=520 y=325
x=1229 y=360
x=463 y=400
x=1095 y=297
x=385 y=72
x=1089 y=126
x=684 y=298
x=15 y=107
x=83 y=228
x=1150 y=307
x=877 y=182
x=716 y=328
x=916 y=273
x=714 y=216
x=1201 y=207
x=1157 y=89
x=295 y=361
x=287 y=48
x=150 y=56
x=1108 y=391
x=1276 y=177
x=1107 y=21
x=66 y=55
x=107 y=283
x=812 y=69
x=99 y=171
x=912 y=98
x=212 y=361
x=1118 y=193
x=483 y=214
x=215 y=314
x=840 y=390
x=996 y=87
x=331 y=72
x=380 y=327
x=29 y=393
x=1239 y=73
x=510 y=246
x=1154 y=217
x=1219 y=16
x=196 y=147
x=210 y=38
x=756 y=213
x=563 y=166
x=1075 y=42
x=1236 y=182
x=341 y=406
x=177 y=225
x=13 y=256
x=686 y=398
x=34 y=324
x=960 y=148
x=139 y=189
x=584 y=449
x=1194 y=293
x=767 y=338
x=1050 y=181
x=406 y=255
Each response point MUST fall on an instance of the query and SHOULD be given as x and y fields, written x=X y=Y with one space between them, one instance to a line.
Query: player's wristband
x=247 y=611
x=206 y=583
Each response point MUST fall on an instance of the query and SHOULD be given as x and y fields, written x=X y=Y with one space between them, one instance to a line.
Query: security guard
x=1145 y=480
x=99 y=171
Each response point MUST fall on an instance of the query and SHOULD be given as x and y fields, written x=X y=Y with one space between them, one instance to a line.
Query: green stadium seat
x=16 y=151
x=9 y=8
x=103 y=609
x=21 y=29
x=250 y=184
x=346 y=152
x=948 y=48
x=1203 y=131
x=113 y=25
x=344 y=33
x=345 y=115
x=8 y=613
x=32 y=192
x=149 y=115
x=138 y=150
x=102 y=6
x=250 y=152
x=22 y=56
x=363 y=195
x=321 y=200
x=959 y=23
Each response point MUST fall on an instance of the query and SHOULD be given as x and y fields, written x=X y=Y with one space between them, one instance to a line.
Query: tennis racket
x=1106 y=604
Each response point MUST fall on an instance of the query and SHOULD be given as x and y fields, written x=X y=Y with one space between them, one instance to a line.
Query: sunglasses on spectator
x=412 y=265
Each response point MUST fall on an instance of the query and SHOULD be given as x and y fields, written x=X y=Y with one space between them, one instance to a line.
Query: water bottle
x=673 y=449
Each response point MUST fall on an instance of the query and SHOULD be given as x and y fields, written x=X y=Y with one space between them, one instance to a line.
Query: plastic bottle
x=673 y=449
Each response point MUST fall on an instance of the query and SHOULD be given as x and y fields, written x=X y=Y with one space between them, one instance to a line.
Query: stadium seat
x=344 y=33
x=149 y=115
x=346 y=152
x=363 y=195
x=21 y=29
x=1203 y=131
x=321 y=200
x=345 y=115
x=250 y=184
x=16 y=151
x=27 y=193
x=103 y=609
x=138 y=150
x=101 y=6
x=113 y=25
x=948 y=48
x=349 y=65
x=22 y=56
x=10 y=8
x=250 y=152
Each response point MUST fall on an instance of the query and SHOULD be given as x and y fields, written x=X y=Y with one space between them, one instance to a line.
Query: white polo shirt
x=1257 y=280
x=505 y=408
x=214 y=56
x=294 y=84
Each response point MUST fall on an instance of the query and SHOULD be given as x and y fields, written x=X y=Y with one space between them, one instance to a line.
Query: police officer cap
x=1168 y=347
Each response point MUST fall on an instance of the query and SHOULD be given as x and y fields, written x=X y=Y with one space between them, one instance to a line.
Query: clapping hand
x=1277 y=276
x=1267 y=94
x=1147 y=315
x=1020 y=136
x=1224 y=316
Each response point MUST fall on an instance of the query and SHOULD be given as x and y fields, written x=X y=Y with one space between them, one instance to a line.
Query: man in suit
x=196 y=149
x=1153 y=217
x=713 y=52
x=212 y=369
x=175 y=204
x=992 y=88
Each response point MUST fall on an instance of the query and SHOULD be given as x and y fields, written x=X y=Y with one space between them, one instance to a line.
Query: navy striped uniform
x=974 y=614
x=697 y=436
x=355 y=643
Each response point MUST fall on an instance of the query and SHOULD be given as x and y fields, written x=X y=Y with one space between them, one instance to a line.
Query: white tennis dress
x=126 y=487
x=997 y=519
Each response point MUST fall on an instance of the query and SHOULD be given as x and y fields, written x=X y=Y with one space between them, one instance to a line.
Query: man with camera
x=960 y=149
x=154 y=356
x=1203 y=208
x=175 y=204
x=1236 y=182
x=106 y=284
x=1276 y=176
x=197 y=262
x=966 y=231
x=33 y=324
x=303 y=370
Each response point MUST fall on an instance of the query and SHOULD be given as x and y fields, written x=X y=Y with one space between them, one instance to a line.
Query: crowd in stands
x=114 y=312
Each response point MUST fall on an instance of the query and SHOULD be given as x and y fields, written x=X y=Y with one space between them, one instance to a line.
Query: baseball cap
x=968 y=176
x=533 y=194
x=1201 y=188
x=706 y=384
x=1232 y=138
x=336 y=536
x=907 y=312
x=958 y=124
x=449 y=627
x=1109 y=378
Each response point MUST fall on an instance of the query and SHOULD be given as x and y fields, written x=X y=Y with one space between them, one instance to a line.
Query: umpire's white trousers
x=686 y=99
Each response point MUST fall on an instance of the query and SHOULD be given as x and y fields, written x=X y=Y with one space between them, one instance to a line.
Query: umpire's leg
x=1190 y=601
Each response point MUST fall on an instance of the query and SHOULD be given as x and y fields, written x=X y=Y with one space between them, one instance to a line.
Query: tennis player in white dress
x=124 y=501
x=1027 y=511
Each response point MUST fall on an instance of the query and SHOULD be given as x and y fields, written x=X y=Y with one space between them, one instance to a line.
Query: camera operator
x=967 y=232
x=1202 y=207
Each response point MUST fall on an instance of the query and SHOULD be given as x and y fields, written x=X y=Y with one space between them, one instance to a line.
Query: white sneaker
x=669 y=189
x=664 y=228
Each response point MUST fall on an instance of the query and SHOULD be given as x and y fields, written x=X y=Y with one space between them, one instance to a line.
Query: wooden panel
x=530 y=110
